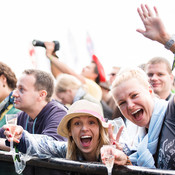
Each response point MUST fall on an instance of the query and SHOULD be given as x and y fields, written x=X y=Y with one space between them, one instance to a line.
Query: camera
x=41 y=44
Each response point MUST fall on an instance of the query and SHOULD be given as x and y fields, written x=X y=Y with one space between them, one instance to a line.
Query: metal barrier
x=55 y=166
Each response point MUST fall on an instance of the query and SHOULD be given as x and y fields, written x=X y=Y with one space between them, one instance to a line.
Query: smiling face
x=85 y=132
x=135 y=101
x=160 y=79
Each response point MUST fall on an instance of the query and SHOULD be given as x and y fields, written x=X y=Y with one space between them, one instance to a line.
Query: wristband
x=51 y=58
x=170 y=42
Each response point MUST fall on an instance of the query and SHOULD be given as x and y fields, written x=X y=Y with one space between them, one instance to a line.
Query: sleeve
x=41 y=146
x=2 y=133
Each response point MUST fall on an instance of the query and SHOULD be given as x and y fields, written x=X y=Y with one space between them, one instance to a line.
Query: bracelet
x=170 y=42
x=128 y=162
x=50 y=58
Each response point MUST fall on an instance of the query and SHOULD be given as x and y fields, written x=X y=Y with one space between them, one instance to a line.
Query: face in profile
x=85 y=132
x=89 y=71
x=135 y=101
x=65 y=97
x=26 y=97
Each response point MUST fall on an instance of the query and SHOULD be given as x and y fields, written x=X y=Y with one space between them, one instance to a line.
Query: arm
x=62 y=67
x=38 y=145
x=154 y=27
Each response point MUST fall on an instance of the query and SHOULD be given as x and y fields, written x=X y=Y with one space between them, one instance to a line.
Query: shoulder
x=57 y=104
x=54 y=106
x=94 y=89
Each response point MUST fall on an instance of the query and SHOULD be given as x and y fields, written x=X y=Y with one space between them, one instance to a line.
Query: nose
x=84 y=127
x=15 y=94
x=130 y=104
x=154 y=77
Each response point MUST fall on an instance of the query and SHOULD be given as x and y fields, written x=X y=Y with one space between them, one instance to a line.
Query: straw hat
x=81 y=108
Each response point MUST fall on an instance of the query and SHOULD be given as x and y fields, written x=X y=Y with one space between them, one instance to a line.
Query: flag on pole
x=89 y=45
x=32 y=56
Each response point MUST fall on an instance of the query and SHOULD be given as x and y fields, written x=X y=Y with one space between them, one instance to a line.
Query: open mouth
x=86 y=140
x=138 y=114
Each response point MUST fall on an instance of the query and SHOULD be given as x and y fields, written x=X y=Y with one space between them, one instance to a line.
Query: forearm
x=41 y=146
x=164 y=39
x=64 y=68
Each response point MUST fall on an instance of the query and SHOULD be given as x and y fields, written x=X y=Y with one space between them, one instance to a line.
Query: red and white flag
x=32 y=56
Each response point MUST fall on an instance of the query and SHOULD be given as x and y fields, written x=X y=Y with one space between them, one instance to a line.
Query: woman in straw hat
x=85 y=128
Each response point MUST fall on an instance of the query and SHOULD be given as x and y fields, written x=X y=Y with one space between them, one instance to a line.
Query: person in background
x=113 y=74
x=90 y=76
x=86 y=130
x=8 y=82
x=69 y=89
x=160 y=76
x=111 y=103
x=106 y=98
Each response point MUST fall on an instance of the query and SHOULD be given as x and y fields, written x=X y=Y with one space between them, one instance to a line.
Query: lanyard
x=33 y=128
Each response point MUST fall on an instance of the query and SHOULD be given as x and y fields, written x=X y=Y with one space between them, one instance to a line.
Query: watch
x=170 y=42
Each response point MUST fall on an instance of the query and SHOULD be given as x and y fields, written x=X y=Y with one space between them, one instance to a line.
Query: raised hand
x=154 y=27
x=49 y=48
x=115 y=141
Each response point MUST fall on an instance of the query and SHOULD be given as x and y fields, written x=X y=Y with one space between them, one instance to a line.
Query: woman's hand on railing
x=120 y=158
x=14 y=131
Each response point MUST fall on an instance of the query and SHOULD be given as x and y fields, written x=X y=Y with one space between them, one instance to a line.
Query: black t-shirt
x=166 y=147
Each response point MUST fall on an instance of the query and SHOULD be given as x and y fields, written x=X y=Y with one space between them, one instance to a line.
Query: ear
x=3 y=78
x=43 y=94
x=172 y=78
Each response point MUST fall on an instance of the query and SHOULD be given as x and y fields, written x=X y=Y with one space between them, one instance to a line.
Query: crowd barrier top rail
x=82 y=167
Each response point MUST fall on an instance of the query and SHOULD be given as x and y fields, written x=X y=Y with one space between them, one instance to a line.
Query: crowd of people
x=72 y=118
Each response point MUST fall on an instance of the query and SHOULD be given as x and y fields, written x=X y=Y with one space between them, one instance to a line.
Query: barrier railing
x=59 y=166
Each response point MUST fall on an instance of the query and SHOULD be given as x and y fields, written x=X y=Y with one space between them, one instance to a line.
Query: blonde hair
x=65 y=82
x=73 y=151
x=128 y=73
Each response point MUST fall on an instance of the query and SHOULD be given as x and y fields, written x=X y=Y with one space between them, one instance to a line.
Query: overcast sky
x=111 y=25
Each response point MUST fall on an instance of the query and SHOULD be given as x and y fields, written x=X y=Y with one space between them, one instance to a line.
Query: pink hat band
x=91 y=112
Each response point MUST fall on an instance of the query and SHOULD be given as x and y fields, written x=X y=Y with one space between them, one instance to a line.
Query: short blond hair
x=65 y=82
x=130 y=72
